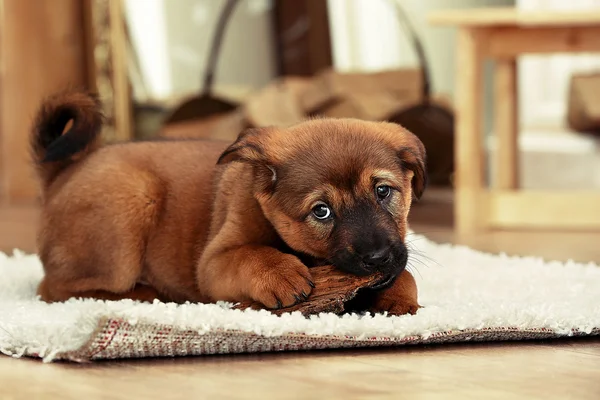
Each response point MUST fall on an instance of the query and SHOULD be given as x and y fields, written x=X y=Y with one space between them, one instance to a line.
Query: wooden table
x=502 y=34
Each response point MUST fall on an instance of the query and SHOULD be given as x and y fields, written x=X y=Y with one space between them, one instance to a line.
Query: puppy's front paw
x=281 y=284
x=396 y=306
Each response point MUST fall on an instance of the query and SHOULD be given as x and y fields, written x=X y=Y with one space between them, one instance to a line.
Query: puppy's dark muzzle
x=389 y=260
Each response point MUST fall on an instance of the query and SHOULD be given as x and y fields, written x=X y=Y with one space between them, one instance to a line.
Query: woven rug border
x=118 y=339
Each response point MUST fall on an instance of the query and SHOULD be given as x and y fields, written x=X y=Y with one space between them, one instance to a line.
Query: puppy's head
x=337 y=189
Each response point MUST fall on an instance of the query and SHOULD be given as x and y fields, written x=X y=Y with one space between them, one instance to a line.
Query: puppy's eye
x=322 y=212
x=383 y=191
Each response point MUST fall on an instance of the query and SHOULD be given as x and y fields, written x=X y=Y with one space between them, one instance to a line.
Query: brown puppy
x=205 y=221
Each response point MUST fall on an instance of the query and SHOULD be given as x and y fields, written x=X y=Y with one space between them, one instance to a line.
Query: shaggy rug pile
x=467 y=296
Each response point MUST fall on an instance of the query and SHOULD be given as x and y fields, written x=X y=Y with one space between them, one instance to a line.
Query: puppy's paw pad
x=282 y=285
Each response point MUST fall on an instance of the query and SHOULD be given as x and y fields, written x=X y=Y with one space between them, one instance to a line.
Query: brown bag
x=583 y=111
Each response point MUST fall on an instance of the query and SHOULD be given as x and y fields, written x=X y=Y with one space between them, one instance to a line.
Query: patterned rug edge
x=117 y=339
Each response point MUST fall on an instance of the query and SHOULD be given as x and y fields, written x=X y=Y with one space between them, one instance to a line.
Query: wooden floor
x=566 y=369
x=563 y=370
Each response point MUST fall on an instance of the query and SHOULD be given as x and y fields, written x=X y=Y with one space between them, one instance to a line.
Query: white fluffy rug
x=467 y=295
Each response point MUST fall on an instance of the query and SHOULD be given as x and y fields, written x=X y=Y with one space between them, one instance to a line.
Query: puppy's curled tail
x=54 y=148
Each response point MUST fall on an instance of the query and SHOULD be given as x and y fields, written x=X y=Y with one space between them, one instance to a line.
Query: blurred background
x=209 y=68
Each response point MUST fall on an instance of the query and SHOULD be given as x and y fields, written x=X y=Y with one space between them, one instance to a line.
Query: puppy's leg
x=139 y=293
x=401 y=298
x=108 y=274
x=257 y=273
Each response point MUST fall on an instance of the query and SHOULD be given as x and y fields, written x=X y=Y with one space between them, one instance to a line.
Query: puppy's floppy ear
x=251 y=147
x=248 y=147
x=413 y=157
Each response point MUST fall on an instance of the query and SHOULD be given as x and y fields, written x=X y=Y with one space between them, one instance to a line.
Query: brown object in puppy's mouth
x=333 y=289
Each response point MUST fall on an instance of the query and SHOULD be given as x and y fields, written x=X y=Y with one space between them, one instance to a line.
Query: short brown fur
x=204 y=221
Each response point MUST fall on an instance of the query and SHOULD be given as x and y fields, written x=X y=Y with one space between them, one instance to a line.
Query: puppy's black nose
x=377 y=257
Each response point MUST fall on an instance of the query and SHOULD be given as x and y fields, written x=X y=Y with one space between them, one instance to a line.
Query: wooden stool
x=502 y=35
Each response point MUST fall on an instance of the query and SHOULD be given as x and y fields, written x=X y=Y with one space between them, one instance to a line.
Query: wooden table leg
x=469 y=156
x=42 y=50
x=506 y=125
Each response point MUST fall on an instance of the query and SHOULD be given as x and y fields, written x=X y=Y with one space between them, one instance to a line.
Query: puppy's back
x=129 y=212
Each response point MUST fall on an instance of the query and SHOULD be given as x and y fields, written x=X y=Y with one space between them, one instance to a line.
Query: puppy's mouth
x=385 y=283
